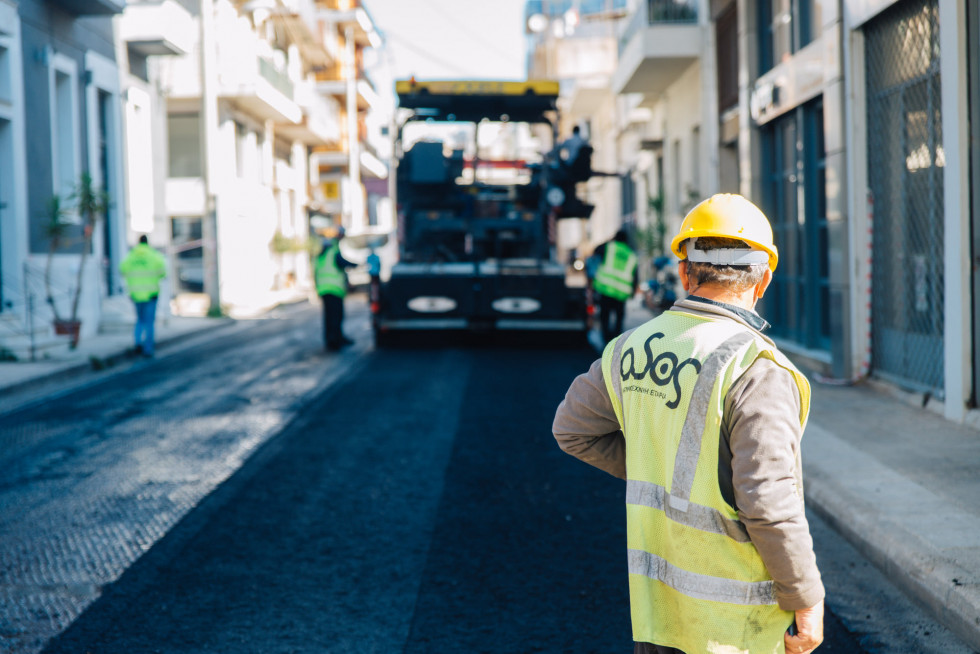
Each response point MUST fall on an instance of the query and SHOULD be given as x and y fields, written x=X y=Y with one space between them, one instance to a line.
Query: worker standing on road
x=702 y=415
x=615 y=281
x=143 y=268
x=331 y=286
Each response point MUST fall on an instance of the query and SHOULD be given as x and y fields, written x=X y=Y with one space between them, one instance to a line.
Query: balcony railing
x=659 y=12
x=157 y=28
x=279 y=80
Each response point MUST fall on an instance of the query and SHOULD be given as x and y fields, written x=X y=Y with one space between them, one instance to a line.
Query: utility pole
x=209 y=132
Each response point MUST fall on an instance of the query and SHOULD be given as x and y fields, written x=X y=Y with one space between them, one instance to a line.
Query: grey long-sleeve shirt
x=760 y=470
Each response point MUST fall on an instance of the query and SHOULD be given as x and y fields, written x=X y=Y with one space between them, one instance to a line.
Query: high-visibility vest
x=614 y=278
x=330 y=280
x=143 y=268
x=696 y=581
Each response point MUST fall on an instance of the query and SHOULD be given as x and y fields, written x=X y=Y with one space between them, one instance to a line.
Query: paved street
x=251 y=494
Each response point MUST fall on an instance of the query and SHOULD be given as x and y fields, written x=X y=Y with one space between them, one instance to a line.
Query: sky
x=452 y=39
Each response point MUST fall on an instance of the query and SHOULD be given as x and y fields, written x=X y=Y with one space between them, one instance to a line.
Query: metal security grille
x=794 y=197
x=905 y=172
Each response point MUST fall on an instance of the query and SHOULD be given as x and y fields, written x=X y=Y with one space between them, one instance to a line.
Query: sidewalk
x=105 y=349
x=902 y=484
x=100 y=350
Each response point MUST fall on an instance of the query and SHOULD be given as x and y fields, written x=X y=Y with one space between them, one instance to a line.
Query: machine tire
x=382 y=339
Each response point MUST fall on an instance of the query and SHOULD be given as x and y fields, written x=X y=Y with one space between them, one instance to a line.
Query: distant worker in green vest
x=331 y=286
x=702 y=415
x=143 y=268
x=615 y=281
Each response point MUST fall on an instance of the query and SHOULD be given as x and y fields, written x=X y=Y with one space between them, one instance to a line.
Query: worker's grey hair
x=737 y=278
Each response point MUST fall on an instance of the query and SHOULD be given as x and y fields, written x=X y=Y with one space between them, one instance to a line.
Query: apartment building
x=854 y=132
x=252 y=93
x=576 y=43
x=351 y=172
x=58 y=121
x=853 y=124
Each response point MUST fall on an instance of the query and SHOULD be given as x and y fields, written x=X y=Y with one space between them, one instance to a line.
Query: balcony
x=91 y=7
x=303 y=30
x=366 y=96
x=587 y=96
x=163 y=28
x=328 y=163
x=358 y=18
x=661 y=40
x=320 y=124
x=252 y=80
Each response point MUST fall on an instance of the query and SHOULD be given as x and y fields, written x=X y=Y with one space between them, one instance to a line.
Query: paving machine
x=481 y=190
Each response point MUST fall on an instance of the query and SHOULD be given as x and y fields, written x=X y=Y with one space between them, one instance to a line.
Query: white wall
x=103 y=77
x=679 y=124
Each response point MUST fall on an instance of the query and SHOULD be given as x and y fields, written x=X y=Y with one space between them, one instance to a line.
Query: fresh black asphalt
x=418 y=505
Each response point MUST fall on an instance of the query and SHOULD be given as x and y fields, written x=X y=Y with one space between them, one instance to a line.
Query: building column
x=957 y=335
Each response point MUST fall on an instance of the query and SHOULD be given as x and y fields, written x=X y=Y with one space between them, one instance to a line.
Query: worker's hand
x=809 y=628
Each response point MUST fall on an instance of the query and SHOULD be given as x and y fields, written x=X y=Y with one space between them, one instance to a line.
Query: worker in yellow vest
x=331 y=286
x=615 y=281
x=702 y=415
x=143 y=268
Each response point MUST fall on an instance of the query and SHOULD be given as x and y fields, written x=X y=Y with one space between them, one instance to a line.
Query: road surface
x=249 y=493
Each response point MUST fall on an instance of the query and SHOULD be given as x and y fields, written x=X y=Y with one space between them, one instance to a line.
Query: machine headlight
x=555 y=196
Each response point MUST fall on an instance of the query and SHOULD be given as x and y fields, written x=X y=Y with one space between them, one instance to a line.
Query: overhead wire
x=446 y=15
x=427 y=54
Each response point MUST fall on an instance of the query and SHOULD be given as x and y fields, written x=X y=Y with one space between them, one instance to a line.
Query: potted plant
x=90 y=204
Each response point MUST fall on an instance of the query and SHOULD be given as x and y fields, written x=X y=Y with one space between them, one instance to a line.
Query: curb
x=96 y=361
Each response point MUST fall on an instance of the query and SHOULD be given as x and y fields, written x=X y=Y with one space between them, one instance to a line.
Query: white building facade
x=61 y=121
x=850 y=122
x=240 y=207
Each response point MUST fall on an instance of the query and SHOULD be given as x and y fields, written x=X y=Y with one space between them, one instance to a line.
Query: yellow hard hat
x=727 y=215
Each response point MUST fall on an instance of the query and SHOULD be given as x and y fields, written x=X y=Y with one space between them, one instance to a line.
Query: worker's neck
x=745 y=299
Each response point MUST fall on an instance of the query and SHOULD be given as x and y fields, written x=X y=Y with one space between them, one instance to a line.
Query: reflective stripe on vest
x=702 y=518
x=615 y=275
x=142 y=284
x=696 y=579
x=686 y=463
x=700 y=586
x=330 y=279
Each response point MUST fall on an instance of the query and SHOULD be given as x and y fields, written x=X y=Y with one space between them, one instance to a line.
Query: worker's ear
x=760 y=288
x=682 y=273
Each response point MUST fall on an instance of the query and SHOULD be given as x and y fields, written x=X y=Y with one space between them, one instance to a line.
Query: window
x=6 y=185
x=13 y=185
x=785 y=26
x=726 y=56
x=6 y=86
x=187 y=239
x=675 y=187
x=103 y=145
x=64 y=129
x=184 y=134
x=241 y=149
x=628 y=198
x=696 y=160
